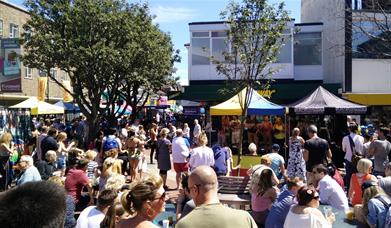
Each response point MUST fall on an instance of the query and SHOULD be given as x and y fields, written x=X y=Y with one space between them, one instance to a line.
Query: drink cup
x=349 y=214
x=328 y=211
x=166 y=223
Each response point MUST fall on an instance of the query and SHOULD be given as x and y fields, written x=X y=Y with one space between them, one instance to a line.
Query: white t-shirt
x=202 y=155
x=180 y=150
x=197 y=130
x=358 y=145
x=90 y=217
x=305 y=220
x=330 y=192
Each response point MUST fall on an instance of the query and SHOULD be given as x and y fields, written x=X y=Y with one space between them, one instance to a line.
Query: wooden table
x=237 y=201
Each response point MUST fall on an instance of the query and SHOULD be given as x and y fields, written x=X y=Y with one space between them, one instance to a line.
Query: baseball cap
x=276 y=147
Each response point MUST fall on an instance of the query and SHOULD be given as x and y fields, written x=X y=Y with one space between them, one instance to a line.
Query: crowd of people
x=103 y=183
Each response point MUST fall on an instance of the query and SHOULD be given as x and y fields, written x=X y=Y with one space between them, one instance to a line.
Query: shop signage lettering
x=266 y=92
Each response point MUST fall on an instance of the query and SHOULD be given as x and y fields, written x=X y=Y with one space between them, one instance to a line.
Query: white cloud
x=166 y=14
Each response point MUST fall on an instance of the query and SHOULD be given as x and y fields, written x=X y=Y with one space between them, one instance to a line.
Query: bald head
x=205 y=177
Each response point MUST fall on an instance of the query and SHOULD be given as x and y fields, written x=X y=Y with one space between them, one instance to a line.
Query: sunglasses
x=162 y=197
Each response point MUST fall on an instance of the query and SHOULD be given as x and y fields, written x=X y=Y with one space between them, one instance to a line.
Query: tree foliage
x=254 y=39
x=109 y=48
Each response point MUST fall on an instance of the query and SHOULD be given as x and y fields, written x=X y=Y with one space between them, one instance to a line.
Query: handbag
x=355 y=157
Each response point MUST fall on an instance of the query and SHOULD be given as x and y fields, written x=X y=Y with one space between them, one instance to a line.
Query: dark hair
x=265 y=181
x=107 y=197
x=293 y=182
x=306 y=194
x=109 y=220
x=385 y=130
x=52 y=131
x=82 y=163
x=320 y=168
x=353 y=127
x=185 y=181
x=34 y=204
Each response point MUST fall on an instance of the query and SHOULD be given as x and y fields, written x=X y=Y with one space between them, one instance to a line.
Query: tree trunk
x=242 y=119
x=93 y=128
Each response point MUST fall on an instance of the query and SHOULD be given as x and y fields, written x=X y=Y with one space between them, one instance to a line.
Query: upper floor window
x=14 y=30
x=308 y=48
x=1 y=28
x=285 y=55
x=369 y=40
x=29 y=73
x=53 y=73
x=200 y=48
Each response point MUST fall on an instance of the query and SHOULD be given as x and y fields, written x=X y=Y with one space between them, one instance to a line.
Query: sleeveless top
x=355 y=188
x=260 y=203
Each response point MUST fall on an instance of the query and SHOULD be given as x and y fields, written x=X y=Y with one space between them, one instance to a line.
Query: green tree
x=109 y=48
x=254 y=39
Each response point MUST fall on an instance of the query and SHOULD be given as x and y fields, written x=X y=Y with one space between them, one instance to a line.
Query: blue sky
x=173 y=16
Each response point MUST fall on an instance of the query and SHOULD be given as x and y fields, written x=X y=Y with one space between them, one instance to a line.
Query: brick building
x=18 y=82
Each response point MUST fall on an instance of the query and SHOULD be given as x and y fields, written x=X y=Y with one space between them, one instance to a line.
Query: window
x=29 y=73
x=53 y=73
x=308 y=48
x=200 y=50
x=27 y=32
x=1 y=28
x=219 y=45
x=42 y=73
x=14 y=31
x=285 y=55
x=370 y=41
x=64 y=76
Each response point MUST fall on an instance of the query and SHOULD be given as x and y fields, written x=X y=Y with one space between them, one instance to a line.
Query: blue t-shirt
x=277 y=161
x=220 y=156
x=279 y=210
x=377 y=212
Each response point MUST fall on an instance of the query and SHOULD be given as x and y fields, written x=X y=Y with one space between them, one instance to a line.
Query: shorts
x=181 y=167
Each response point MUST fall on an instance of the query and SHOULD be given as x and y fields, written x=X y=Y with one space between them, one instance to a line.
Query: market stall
x=38 y=107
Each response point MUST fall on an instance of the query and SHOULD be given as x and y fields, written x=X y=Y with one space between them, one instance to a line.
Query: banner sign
x=67 y=96
x=42 y=82
x=10 y=75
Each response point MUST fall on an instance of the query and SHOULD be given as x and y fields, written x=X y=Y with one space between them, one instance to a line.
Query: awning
x=279 y=92
x=369 y=98
x=39 y=107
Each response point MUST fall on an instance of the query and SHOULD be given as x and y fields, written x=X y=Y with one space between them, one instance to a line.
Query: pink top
x=260 y=203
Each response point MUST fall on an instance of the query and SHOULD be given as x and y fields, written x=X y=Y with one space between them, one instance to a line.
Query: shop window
x=29 y=73
x=14 y=31
x=308 y=48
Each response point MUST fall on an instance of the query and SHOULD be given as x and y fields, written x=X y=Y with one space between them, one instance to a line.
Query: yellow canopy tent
x=39 y=107
x=258 y=105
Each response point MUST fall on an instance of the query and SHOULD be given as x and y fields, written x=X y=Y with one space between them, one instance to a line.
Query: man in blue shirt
x=281 y=206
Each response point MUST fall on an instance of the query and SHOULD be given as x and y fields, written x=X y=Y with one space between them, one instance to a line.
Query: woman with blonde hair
x=62 y=152
x=201 y=155
x=144 y=201
x=296 y=163
x=374 y=205
x=111 y=166
x=6 y=151
x=364 y=168
x=163 y=155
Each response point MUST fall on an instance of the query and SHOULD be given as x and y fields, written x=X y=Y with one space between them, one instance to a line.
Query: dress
x=163 y=160
x=296 y=163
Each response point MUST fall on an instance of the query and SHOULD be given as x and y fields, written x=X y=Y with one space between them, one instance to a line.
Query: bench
x=234 y=191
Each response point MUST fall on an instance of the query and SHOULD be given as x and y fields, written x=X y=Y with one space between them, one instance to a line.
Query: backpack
x=387 y=223
x=110 y=143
